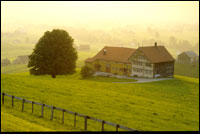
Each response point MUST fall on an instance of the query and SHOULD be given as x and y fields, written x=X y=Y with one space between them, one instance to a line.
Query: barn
x=23 y=59
x=5 y=62
x=188 y=57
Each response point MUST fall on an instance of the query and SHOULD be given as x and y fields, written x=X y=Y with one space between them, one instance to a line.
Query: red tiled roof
x=156 y=54
x=117 y=54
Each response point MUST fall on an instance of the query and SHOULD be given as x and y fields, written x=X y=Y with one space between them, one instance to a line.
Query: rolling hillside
x=171 y=105
x=14 y=120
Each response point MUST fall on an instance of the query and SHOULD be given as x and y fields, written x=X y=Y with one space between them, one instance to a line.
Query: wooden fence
x=103 y=122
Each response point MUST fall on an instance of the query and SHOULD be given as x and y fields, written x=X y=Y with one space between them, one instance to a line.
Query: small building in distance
x=188 y=57
x=84 y=48
x=5 y=62
x=23 y=59
x=150 y=62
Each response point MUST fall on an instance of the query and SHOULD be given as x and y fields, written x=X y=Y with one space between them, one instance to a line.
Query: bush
x=86 y=72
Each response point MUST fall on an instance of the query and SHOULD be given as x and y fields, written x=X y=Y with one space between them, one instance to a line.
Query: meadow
x=14 y=120
x=171 y=105
x=165 y=105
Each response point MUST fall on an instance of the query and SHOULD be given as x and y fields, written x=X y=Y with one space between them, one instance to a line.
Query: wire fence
x=59 y=113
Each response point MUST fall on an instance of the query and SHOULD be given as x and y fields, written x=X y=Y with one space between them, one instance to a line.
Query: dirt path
x=144 y=80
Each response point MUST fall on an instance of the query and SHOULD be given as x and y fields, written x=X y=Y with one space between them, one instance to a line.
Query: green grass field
x=15 y=120
x=165 y=105
x=14 y=68
x=171 y=105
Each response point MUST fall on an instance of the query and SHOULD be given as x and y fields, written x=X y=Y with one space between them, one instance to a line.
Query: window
x=148 y=64
x=114 y=68
x=141 y=57
x=137 y=70
x=107 y=65
x=148 y=71
x=97 y=66
x=137 y=63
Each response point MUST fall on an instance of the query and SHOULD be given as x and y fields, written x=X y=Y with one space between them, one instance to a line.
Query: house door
x=108 y=68
x=125 y=71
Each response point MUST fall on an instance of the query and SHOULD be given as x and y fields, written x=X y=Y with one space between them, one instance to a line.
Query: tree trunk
x=53 y=75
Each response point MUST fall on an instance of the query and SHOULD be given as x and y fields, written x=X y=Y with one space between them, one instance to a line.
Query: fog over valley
x=125 y=24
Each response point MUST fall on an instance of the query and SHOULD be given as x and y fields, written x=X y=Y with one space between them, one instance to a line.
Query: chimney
x=155 y=44
x=104 y=52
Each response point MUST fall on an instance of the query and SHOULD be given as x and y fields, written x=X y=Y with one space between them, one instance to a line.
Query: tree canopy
x=53 y=54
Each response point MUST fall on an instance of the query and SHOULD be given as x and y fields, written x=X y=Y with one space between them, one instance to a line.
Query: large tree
x=53 y=54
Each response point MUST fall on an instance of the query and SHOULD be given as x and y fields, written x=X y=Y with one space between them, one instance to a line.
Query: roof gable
x=156 y=54
x=117 y=54
x=190 y=54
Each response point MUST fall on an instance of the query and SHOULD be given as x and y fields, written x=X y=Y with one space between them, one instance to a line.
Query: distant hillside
x=190 y=70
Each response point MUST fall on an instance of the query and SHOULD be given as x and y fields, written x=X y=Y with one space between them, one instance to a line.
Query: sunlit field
x=48 y=39
x=143 y=106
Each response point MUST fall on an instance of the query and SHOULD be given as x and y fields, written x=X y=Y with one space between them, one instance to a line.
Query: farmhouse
x=150 y=61
x=188 y=57
x=5 y=62
x=23 y=59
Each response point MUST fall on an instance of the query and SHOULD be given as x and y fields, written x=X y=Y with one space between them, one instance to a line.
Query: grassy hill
x=15 y=120
x=169 y=105
x=14 y=68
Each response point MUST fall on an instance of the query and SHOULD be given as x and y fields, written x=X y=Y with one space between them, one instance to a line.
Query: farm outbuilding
x=5 y=62
x=188 y=57
x=23 y=59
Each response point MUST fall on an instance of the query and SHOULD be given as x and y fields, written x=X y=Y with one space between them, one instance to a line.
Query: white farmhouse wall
x=141 y=69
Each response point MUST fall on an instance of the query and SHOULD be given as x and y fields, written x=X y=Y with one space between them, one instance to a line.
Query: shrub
x=86 y=72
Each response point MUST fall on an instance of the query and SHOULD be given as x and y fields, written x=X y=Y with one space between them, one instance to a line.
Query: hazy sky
x=97 y=13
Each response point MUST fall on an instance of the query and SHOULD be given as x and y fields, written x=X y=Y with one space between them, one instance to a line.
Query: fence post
x=103 y=122
x=3 y=94
x=63 y=116
x=86 y=117
x=23 y=104
x=52 y=112
x=75 y=119
x=117 y=126
x=32 y=105
x=43 y=109
x=12 y=101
